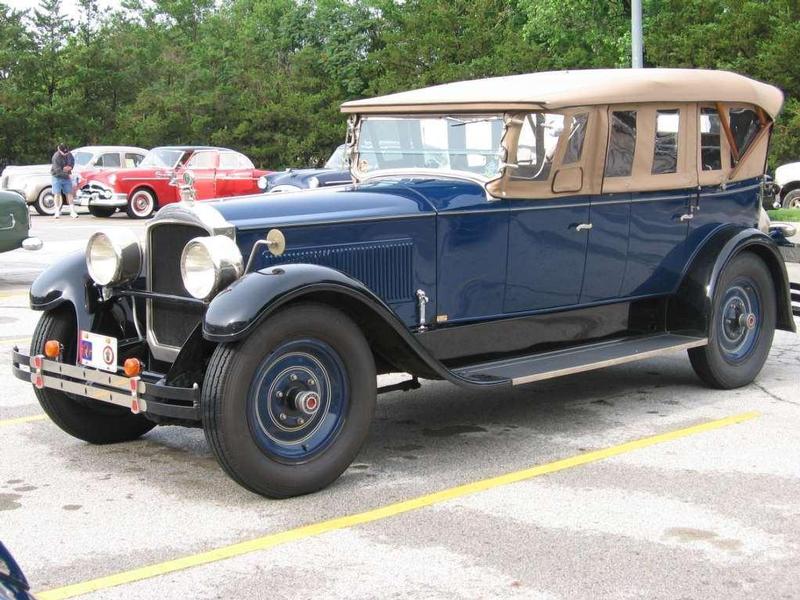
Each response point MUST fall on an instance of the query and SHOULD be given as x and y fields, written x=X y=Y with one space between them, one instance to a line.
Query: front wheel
x=141 y=204
x=742 y=325
x=89 y=420
x=45 y=203
x=287 y=410
x=792 y=199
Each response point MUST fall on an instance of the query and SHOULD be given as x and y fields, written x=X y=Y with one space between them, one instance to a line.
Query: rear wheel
x=287 y=410
x=101 y=211
x=141 y=204
x=742 y=325
x=792 y=199
x=88 y=420
x=46 y=202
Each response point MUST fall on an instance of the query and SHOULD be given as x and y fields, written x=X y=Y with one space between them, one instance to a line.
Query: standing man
x=61 y=169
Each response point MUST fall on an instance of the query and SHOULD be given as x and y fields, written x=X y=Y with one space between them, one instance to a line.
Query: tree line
x=266 y=77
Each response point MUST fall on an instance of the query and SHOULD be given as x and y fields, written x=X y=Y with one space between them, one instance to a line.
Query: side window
x=710 y=139
x=744 y=124
x=243 y=162
x=537 y=145
x=109 y=160
x=622 y=144
x=201 y=160
x=577 y=134
x=227 y=160
x=133 y=160
x=665 y=153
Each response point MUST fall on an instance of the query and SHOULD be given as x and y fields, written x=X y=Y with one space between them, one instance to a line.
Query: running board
x=527 y=369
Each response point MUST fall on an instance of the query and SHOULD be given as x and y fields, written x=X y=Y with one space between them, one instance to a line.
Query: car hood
x=388 y=199
x=27 y=170
x=122 y=174
x=786 y=173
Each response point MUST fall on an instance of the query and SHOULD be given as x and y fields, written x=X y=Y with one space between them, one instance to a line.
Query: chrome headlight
x=113 y=257
x=208 y=264
x=262 y=183
x=313 y=182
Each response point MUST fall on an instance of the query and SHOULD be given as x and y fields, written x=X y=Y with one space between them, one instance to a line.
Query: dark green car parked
x=15 y=223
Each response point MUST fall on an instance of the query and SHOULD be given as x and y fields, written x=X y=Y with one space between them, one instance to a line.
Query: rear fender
x=690 y=308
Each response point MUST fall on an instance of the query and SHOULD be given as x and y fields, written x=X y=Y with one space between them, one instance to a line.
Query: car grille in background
x=384 y=267
x=171 y=323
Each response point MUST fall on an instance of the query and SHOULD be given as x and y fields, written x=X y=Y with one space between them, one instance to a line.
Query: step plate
x=528 y=369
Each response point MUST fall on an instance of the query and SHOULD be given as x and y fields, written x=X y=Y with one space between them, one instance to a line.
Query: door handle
x=687 y=217
x=583 y=227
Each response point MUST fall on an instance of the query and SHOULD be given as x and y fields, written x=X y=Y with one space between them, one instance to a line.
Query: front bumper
x=100 y=198
x=142 y=394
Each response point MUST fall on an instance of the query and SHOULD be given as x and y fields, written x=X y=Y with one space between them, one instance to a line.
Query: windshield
x=162 y=157
x=337 y=161
x=456 y=143
x=82 y=158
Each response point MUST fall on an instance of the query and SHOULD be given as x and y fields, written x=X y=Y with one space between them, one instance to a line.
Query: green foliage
x=267 y=76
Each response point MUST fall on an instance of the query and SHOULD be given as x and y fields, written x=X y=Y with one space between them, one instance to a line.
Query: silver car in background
x=33 y=181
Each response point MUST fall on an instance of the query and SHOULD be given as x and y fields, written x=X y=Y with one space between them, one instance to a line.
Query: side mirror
x=569 y=179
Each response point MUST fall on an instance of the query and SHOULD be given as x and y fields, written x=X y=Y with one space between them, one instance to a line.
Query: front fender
x=691 y=306
x=233 y=313
x=67 y=281
x=242 y=307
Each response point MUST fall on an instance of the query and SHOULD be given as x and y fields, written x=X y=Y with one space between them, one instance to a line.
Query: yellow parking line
x=384 y=512
x=6 y=295
x=12 y=341
x=20 y=420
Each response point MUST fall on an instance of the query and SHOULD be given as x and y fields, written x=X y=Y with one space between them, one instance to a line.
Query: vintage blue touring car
x=499 y=232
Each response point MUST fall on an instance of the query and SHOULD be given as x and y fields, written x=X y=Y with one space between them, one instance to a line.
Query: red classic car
x=218 y=173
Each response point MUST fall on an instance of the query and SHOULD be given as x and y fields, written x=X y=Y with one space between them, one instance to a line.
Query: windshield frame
x=354 y=132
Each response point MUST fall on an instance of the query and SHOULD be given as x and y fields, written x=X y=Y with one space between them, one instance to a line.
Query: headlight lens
x=262 y=183
x=313 y=182
x=113 y=257
x=208 y=264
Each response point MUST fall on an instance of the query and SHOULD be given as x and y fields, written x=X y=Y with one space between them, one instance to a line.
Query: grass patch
x=784 y=214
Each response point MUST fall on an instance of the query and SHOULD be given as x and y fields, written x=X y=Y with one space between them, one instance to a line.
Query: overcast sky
x=70 y=7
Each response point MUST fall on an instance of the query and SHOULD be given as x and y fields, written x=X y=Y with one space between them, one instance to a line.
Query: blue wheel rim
x=740 y=320
x=298 y=400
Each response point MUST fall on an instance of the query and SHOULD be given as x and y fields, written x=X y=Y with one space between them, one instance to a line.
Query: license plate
x=98 y=351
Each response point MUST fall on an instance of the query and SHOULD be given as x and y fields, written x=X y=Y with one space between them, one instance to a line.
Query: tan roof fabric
x=562 y=89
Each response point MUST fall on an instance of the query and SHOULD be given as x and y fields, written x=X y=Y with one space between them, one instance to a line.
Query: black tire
x=142 y=203
x=102 y=211
x=233 y=370
x=792 y=199
x=718 y=365
x=45 y=203
x=88 y=420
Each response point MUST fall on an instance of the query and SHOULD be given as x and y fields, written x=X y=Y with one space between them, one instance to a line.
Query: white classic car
x=787 y=178
x=33 y=181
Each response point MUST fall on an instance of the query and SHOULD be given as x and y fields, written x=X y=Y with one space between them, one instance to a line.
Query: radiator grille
x=384 y=267
x=171 y=323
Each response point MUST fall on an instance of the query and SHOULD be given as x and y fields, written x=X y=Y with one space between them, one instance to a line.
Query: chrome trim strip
x=279 y=224
x=610 y=362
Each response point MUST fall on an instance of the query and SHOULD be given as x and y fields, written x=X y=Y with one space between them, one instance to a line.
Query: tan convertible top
x=563 y=89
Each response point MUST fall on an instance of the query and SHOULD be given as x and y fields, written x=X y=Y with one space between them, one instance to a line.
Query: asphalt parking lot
x=633 y=482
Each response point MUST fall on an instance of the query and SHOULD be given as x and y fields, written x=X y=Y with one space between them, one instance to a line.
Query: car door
x=235 y=175
x=203 y=165
x=549 y=216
